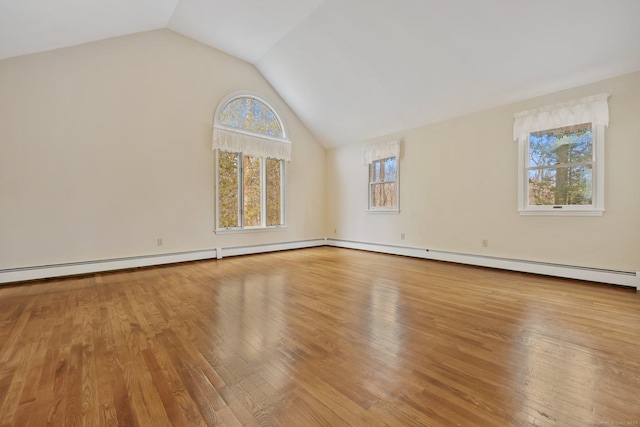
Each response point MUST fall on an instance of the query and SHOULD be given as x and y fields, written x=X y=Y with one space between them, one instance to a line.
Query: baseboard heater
x=612 y=277
x=97 y=266
x=621 y=278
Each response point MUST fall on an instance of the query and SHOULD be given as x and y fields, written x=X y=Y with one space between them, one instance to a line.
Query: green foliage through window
x=560 y=166
x=274 y=192
x=228 y=196
x=251 y=191
x=252 y=115
x=250 y=187
x=256 y=198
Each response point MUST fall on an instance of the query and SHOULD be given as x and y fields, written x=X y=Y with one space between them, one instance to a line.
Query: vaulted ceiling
x=357 y=69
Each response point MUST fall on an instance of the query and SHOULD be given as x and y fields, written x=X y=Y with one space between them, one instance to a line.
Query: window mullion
x=240 y=190
x=559 y=165
x=217 y=159
x=282 y=196
x=263 y=191
x=283 y=193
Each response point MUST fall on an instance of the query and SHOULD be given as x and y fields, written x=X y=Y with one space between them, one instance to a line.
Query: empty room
x=319 y=213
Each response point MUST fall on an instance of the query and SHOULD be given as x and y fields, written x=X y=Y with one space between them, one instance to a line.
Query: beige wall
x=458 y=186
x=106 y=147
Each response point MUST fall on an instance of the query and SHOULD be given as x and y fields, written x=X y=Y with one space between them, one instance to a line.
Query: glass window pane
x=390 y=169
x=251 y=191
x=274 y=192
x=561 y=186
x=228 y=190
x=570 y=144
x=250 y=114
x=374 y=171
x=383 y=195
x=383 y=170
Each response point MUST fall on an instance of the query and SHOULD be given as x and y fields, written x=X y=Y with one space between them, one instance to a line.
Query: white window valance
x=380 y=150
x=591 y=109
x=236 y=141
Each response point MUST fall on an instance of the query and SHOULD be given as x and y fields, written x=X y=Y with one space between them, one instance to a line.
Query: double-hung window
x=382 y=160
x=561 y=158
x=251 y=150
x=382 y=183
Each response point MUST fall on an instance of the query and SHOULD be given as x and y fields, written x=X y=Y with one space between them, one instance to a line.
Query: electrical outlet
x=335 y=231
x=401 y=236
x=160 y=242
x=485 y=243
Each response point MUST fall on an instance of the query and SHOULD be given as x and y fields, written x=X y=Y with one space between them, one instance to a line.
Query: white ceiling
x=355 y=69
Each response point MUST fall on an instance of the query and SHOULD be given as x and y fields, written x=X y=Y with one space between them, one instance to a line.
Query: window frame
x=263 y=197
x=596 y=208
x=370 y=183
x=245 y=94
x=593 y=109
x=263 y=171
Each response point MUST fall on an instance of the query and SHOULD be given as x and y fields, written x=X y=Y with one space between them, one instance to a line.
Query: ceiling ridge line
x=297 y=25
x=175 y=7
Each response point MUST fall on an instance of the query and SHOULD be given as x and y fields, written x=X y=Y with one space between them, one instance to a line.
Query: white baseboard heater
x=612 y=277
x=622 y=278
x=87 y=267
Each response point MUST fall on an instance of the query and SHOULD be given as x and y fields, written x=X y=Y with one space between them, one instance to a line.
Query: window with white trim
x=382 y=160
x=561 y=158
x=251 y=149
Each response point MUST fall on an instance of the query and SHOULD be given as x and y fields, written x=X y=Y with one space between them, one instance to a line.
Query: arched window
x=250 y=142
x=252 y=115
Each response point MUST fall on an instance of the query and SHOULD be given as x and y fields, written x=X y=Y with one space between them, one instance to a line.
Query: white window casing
x=380 y=151
x=592 y=109
x=253 y=144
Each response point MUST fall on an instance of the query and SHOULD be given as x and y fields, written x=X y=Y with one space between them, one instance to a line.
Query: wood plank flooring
x=319 y=337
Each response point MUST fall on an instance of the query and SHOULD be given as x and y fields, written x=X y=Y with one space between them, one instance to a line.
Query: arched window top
x=251 y=114
x=245 y=123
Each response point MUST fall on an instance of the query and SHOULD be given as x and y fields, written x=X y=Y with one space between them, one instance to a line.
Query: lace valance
x=379 y=151
x=251 y=144
x=591 y=109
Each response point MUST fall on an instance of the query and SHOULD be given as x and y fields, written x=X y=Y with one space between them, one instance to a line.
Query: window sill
x=383 y=211
x=560 y=212
x=249 y=230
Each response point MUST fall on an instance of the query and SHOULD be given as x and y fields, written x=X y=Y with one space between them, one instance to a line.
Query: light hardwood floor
x=319 y=337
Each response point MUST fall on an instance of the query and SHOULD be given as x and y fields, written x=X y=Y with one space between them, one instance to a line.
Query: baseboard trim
x=621 y=278
x=272 y=247
x=612 y=277
x=76 y=268
x=72 y=269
